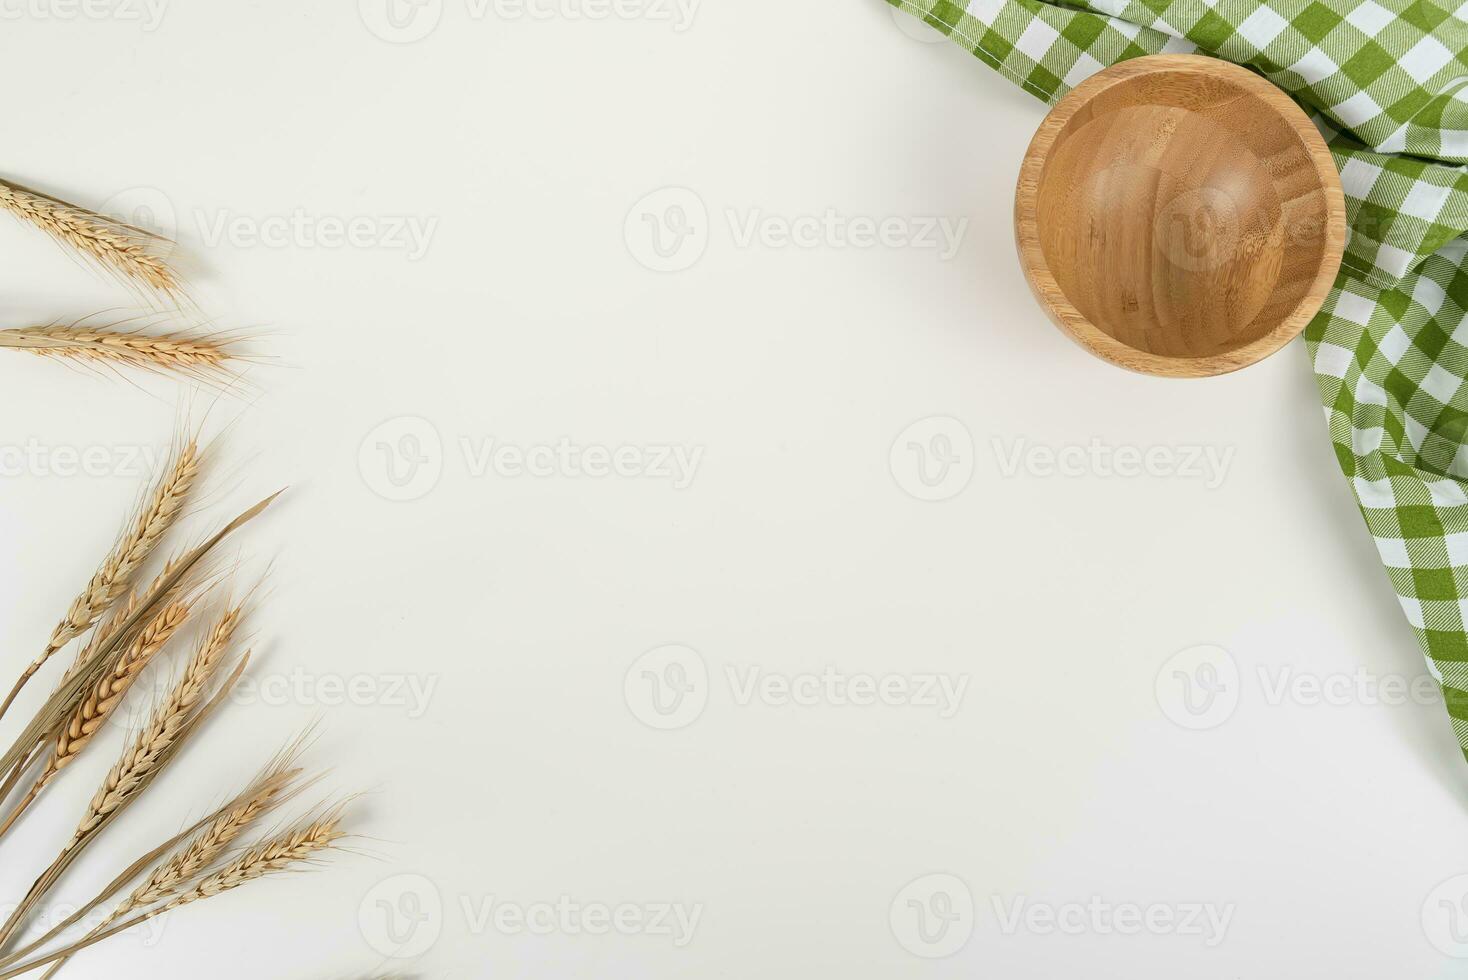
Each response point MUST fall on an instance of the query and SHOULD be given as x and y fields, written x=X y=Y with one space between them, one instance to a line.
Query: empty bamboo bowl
x=1179 y=215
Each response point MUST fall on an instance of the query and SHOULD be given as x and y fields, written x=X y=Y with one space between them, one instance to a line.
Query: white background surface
x=1321 y=829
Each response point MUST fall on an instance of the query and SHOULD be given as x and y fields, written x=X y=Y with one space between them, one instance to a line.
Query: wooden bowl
x=1179 y=215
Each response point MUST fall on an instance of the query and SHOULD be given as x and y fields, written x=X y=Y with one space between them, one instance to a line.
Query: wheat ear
x=109 y=691
x=272 y=856
x=168 y=719
x=115 y=245
x=278 y=854
x=276 y=783
x=185 y=353
x=47 y=722
x=160 y=510
x=189 y=862
x=134 y=773
x=104 y=696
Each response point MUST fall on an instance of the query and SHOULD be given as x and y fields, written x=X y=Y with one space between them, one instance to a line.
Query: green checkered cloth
x=1387 y=83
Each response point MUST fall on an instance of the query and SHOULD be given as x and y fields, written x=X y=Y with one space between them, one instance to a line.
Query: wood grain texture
x=1179 y=215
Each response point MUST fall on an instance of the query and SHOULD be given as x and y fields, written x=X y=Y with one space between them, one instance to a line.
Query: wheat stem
x=278 y=854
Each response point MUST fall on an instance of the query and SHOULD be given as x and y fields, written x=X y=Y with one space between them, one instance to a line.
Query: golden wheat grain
x=116 y=246
x=278 y=854
x=169 y=718
x=189 y=862
x=121 y=795
x=185 y=353
x=99 y=703
x=109 y=691
x=160 y=510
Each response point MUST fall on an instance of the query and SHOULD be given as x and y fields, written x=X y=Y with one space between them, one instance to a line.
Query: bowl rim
x=1047 y=290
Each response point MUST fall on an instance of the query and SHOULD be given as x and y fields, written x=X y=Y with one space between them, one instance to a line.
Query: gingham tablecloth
x=1387 y=82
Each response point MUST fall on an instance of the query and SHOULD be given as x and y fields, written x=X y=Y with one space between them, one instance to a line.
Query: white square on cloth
x=1358 y=177
x=1084 y=68
x=1263 y=26
x=1370 y=18
x=1357 y=309
x=1441 y=384
x=1356 y=110
x=1036 y=39
x=985 y=11
x=1315 y=66
x=1427 y=58
x=1424 y=200
x=1394 y=344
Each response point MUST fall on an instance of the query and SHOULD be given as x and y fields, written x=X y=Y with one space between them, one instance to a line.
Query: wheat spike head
x=108 y=692
x=138 y=256
x=188 y=862
x=159 y=511
x=168 y=720
x=192 y=354
x=272 y=856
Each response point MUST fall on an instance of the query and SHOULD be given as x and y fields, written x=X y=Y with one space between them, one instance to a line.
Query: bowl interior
x=1181 y=213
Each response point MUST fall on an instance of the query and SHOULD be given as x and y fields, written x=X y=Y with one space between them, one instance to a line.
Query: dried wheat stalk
x=276 y=783
x=116 y=246
x=104 y=696
x=188 y=863
x=168 y=720
x=160 y=510
x=193 y=354
x=108 y=692
x=278 y=854
x=145 y=758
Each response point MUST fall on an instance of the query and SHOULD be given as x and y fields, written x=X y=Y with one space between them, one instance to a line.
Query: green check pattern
x=1387 y=83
